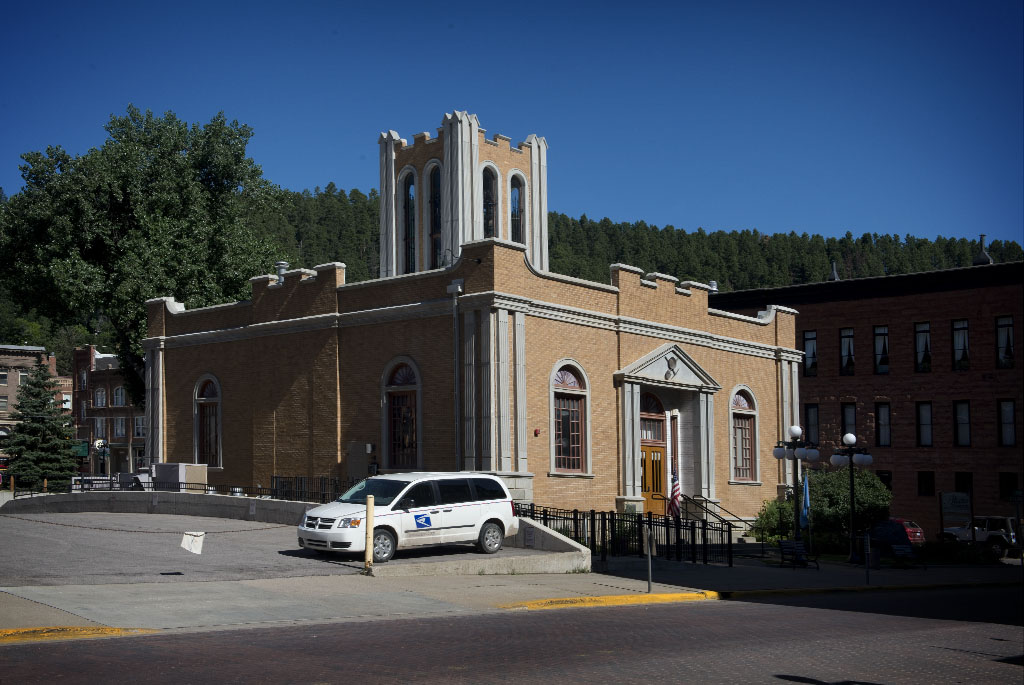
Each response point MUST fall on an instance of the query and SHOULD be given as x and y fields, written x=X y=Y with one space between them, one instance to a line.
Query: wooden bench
x=793 y=553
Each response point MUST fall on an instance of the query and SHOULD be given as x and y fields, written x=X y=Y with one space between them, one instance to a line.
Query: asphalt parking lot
x=106 y=548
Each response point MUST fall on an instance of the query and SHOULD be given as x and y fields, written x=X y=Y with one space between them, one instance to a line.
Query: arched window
x=569 y=423
x=743 y=431
x=401 y=392
x=409 y=223
x=490 y=202
x=100 y=397
x=435 y=218
x=207 y=422
x=118 y=399
x=515 y=202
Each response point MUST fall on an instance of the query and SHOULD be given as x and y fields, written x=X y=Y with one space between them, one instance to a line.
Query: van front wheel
x=490 y=538
x=383 y=545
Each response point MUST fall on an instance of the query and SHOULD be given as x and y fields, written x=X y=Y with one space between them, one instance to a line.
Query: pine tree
x=40 y=442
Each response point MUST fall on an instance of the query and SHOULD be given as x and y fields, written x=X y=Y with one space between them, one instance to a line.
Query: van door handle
x=435 y=511
x=447 y=509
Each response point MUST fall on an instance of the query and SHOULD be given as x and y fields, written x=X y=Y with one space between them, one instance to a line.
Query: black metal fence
x=609 y=533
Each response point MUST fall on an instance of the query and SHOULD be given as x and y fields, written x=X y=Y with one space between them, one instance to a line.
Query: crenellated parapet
x=440 y=193
x=285 y=295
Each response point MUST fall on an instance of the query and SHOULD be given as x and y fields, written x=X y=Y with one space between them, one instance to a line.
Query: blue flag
x=805 y=511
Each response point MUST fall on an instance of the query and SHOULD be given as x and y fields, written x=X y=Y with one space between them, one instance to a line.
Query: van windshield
x=384 y=491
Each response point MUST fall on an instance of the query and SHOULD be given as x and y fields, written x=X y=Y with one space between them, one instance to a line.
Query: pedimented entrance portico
x=686 y=393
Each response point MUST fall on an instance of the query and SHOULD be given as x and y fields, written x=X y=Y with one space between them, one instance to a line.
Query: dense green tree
x=39 y=445
x=830 y=507
x=161 y=209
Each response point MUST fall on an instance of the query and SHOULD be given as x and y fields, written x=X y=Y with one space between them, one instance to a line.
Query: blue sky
x=819 y=117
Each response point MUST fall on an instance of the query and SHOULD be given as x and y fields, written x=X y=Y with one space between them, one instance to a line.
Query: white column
x=538 y=250
x=520 y=352
x=469 y=390
x=502 y=413
x=631 y=439
x=154 y=373
x=387 y=203
x=486 y=391
x=707 y=445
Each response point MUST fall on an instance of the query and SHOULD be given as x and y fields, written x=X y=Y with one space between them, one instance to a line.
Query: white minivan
x=414 y=509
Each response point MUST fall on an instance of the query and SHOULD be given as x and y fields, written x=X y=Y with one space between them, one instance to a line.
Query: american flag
x=675 y=497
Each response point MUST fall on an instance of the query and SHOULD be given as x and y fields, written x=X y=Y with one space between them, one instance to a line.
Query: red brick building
x=922 y=368
x=103 y=411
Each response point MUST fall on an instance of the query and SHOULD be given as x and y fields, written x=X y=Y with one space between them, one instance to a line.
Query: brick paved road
x=706 y=642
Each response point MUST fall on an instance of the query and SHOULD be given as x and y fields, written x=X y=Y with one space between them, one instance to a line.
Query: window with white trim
x=490 y=202
x=515 y=202
x=569 y=404
x=140 y=427
x=100 y=397
x=743 y=432
x=1004 y=342
x=207 y=422
x=117 y=399
x=961 y=345
x=409 y=223
x=101 y=428
x=401 y=394
x=119 y=427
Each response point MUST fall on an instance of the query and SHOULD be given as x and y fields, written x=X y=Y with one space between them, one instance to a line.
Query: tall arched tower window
x=743 y=429
x=409 y=223
x=515 y=201
x=207 y=422
x=435 y=218
x=490 y=202
x=400 y=400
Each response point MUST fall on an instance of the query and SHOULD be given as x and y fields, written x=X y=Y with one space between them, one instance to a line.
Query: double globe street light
x=854 y=456
x=795 y=450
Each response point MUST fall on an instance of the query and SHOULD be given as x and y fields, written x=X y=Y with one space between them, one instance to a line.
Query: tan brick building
x=475 y=357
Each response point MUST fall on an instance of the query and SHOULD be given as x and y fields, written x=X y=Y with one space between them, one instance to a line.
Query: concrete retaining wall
x=180 y=503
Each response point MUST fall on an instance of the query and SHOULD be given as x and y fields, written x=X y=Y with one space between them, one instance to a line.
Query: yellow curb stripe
x=612 y=600
x=41 y=634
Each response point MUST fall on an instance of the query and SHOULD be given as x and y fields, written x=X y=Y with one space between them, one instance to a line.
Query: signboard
x=956 y=503
x=80 y=448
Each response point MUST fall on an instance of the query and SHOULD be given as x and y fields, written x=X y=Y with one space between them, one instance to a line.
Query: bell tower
x=440 y=193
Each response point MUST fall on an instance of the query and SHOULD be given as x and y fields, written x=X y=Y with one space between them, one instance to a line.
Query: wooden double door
x=653 y=454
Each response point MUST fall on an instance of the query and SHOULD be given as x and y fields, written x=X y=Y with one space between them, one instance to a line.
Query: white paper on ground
x=193 y=542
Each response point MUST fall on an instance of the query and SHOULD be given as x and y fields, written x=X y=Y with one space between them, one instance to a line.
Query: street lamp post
x=849 y=454
x=796 y=450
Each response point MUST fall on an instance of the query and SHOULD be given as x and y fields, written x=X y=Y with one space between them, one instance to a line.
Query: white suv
x=414 y=509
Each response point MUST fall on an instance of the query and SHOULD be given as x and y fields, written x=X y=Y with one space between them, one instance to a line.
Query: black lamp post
x=848 y=454
x=796 y=450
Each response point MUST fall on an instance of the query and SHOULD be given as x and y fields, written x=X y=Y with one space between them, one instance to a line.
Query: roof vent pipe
x=281 y=268
x=714 y=286
x=834 y=276
x=983 y=256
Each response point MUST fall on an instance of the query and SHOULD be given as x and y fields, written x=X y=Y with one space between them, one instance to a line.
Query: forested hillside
x=164 y=208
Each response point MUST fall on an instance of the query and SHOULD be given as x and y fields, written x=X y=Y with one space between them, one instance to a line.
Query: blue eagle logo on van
x=422 y=521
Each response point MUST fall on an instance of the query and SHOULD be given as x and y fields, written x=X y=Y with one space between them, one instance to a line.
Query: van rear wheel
x=490 y=538
x=383 y=545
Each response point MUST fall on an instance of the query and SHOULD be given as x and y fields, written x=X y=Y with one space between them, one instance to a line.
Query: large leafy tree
x=830 y=507
x=159 y=210
x=40 y=443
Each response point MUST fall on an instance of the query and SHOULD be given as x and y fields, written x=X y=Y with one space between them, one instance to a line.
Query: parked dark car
x=885 y=534
x=914 y=532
